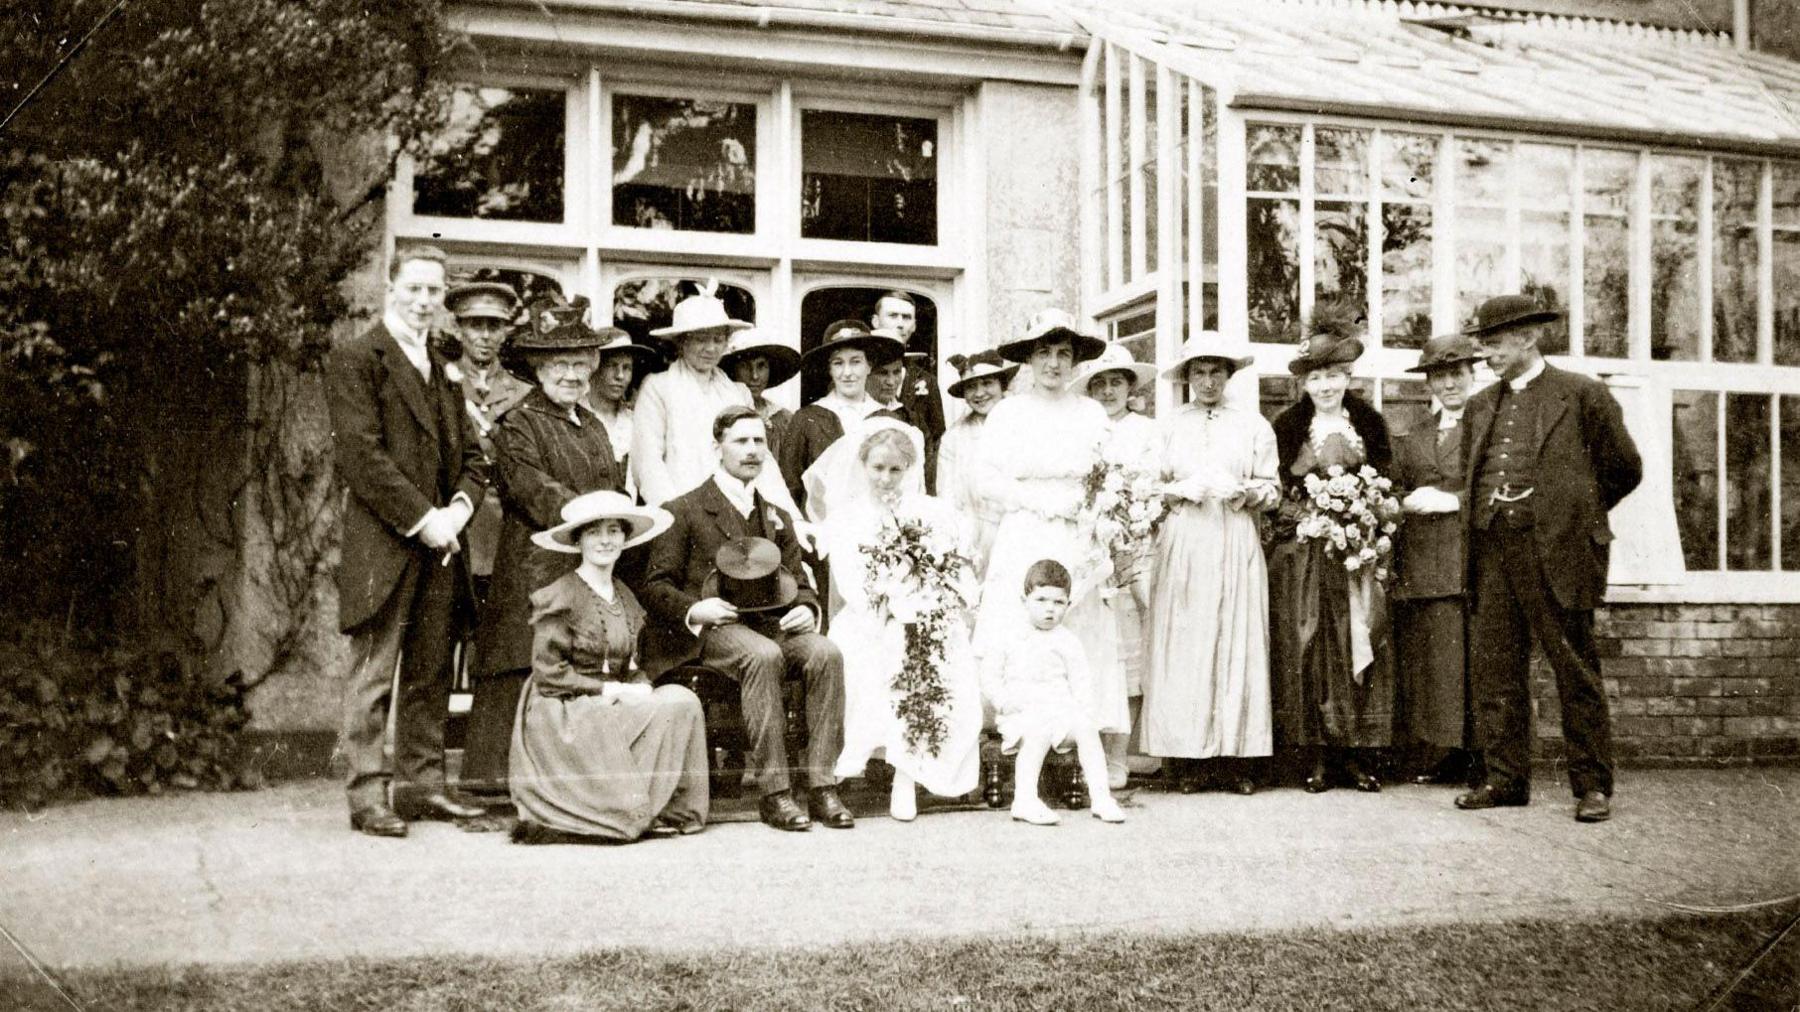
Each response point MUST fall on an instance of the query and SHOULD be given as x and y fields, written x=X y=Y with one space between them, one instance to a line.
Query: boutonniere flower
x=452 y=373
x=775 y=523
x=921 y=388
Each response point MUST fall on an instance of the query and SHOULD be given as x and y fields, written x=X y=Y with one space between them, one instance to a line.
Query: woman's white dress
x=959 y=485
x=1035 y=453
x=1206 y=688
x=873 y=643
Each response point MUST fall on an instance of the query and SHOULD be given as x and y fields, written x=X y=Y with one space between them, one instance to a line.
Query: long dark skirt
x=1433 y=672
x=488 y=740
x=1317 y=698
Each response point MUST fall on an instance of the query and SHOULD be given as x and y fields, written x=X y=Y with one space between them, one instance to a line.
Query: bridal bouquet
x=915 y=575
x=1355 y=514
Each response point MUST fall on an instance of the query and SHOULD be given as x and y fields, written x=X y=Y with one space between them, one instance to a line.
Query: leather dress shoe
x=378 y=820
x=1368 y=783
x=436 y=805
x=781 y=811
x=1245 y=786
x=1317 y=783
x=828 y=809
x=1594 y=806
x=1489 y=796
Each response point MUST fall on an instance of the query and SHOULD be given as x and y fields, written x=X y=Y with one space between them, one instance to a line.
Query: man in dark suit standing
x=921 y=402
x=413 y=471
x=754 y=653
x=1546 y=455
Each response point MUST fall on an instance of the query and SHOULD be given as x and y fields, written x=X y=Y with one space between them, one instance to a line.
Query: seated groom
x=681 y=589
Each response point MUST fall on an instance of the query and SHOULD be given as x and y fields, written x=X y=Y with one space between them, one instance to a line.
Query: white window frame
x=593 y=254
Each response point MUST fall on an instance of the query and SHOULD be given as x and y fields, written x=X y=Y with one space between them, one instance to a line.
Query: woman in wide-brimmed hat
x=983 y=383
x=623 y=365
x=762 y=363
x=1111 y=378
x=548 y=449
x=1206 y=684
x=1039 y=447
x=597 y=752
x=846 y=355
x=1331 y=665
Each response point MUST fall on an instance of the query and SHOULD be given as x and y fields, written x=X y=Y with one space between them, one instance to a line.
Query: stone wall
x=1033 y=205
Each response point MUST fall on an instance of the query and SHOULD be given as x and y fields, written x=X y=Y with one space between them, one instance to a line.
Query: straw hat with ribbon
x=783 y=361
x=1209 y=344
x=1052 y=324
x=641 y=522
x=700 y=314
x=1114 y=358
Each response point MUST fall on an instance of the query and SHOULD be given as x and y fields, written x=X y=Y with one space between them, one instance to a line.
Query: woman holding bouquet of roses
x=1332 y=658
x=1040 y=447
x=1110 y=380
x=1206 y=694
x=911 y=692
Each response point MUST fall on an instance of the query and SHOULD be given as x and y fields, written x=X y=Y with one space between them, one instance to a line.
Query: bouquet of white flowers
x=1123 y=506
x=916 y=576
x=1355 y=514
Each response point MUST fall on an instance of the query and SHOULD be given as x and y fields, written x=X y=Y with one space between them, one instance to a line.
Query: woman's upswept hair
x=895 y=440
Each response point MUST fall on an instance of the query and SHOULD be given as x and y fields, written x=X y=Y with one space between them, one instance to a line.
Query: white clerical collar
x=741 y=495
x=1519 y=382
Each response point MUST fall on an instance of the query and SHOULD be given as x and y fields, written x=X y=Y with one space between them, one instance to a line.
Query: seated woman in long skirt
x=598 y=754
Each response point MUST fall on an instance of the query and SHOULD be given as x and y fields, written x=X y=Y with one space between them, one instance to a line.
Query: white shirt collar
x=741 y=496
x=1448 y=419
x=411 y=342
x=1520 y=381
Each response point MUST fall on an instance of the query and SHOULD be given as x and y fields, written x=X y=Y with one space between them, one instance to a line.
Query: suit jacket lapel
x=725 y=516
x=1556 y=402
x=412 y=386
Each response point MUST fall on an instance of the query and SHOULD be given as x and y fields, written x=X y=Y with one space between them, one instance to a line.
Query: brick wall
x=1693 y=682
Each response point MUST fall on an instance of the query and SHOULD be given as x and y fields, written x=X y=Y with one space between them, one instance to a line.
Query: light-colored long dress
x=1133 y=443
x=1036 y=452
x=959 y=485
x=1206 y=690
x=873 y=643
x=590 y=765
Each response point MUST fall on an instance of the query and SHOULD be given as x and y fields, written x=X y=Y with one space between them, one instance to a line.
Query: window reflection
x=1674 y=252
x=683 y=163
x=1482 y=168
x=1341 y=227
x=1273 y=232
x=1607 y=181
x=1785 y=259
x=1546 y=173
x=1747 y=482
x=1734 y=288
x=868 y=177
x=1790 y=482
x=1694 y=461
x=1408 y=164
x=500 y=157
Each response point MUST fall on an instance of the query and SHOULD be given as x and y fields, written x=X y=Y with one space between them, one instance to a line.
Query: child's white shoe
x=1034 y=811
x=903 y=802
x=1108 y=810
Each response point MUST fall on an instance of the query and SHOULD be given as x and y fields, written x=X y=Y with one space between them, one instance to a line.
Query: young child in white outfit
x=1037 y=681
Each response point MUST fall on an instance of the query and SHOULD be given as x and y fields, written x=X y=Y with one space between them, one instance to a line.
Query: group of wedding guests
x=927 y=582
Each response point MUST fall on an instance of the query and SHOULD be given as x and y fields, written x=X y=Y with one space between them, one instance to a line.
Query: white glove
x=1428 y=500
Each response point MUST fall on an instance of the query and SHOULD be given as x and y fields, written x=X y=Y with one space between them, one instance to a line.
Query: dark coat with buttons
x=1586 y=463
x=1429 y=548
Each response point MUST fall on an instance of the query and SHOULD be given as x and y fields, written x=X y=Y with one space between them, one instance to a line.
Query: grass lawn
x=1672 y=963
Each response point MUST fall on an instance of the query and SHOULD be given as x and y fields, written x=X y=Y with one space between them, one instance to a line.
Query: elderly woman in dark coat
x=548 y=449
x=1331 y=670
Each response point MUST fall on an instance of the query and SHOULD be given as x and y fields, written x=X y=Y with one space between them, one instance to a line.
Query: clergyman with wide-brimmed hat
x=761 y=363
x=1545 y=457
x=671 y=445
x=846 y=354
x=548 y=449
x=725 y=586
x=1207 y=710
x=1432 y=714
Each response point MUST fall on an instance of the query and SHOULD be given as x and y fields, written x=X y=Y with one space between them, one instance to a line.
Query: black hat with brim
x=1446 y=351
x=1321 y=350
x=879 y=349
x=1052 y=325
x=1509 y=312
x=784 y=362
